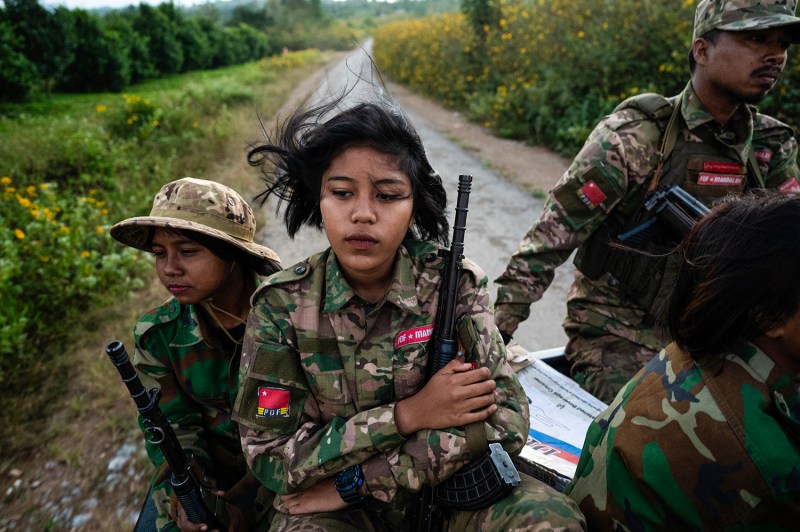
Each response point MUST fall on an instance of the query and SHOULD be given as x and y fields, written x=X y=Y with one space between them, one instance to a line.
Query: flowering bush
x=548 y=70
x=56 y=261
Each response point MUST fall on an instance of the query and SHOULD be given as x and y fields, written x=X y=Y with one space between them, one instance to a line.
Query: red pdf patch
x=721 y=167
x=413 y=336
x=272 y=402
x=722 y=180
x=591 y=195
x=790 y=186
x=763 y=156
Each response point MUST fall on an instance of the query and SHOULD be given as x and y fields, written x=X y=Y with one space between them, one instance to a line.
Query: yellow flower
x=85 y=254
x=5 y=180
x=19 y=233
x=64 y=230
x=44 y=186
x=99 y=229
x=31 y=190
x=25 y=202
x=100 y=108
x=155 y=122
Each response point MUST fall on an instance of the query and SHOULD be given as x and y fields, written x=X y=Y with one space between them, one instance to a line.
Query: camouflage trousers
x=531 y=506
x=602 y=365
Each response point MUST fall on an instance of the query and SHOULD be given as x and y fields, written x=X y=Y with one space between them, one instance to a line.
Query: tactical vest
x=707 y=169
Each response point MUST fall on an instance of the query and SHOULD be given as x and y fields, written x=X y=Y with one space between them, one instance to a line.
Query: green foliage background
x=71 y=168
x=547 y=70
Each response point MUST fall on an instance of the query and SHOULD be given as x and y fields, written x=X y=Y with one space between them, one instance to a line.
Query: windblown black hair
x=739 y=275
x=306 y=143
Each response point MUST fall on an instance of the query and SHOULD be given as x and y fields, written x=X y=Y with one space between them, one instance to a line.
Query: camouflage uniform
x=696 y=446
x=335 y=367
x=198 y=383
x=611 y=333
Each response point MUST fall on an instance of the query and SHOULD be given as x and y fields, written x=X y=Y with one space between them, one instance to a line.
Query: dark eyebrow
x=375 y=182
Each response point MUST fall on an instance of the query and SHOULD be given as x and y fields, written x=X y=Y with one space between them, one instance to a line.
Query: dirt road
x=501 y=206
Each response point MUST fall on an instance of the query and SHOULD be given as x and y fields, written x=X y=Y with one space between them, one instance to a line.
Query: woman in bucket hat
x=201 y=235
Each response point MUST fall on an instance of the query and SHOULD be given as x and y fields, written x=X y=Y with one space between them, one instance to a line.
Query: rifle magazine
x=480 y=483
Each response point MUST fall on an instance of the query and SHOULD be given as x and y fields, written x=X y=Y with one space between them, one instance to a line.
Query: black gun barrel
x=445 y=342
x=160 y=433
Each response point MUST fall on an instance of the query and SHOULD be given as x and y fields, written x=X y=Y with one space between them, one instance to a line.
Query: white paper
x=561 y=412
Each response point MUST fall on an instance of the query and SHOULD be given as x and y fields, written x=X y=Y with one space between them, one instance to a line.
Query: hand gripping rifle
x=159 y=432
x=490 y=477
x=672 y=207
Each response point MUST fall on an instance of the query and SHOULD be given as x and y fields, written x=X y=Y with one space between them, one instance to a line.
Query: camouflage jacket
x=322 y=370
x=607 y=182
x=198 y=386
x=686 y=445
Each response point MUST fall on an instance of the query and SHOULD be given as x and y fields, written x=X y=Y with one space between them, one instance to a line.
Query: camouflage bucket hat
x=201 y=206
x=745 y=15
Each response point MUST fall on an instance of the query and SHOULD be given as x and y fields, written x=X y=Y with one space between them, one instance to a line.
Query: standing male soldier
x=708 y=139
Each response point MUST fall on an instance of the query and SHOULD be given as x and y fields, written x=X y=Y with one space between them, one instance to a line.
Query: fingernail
x=474 y=365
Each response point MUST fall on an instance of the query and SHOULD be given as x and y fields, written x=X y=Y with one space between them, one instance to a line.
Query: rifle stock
x=159 y=432
x=489 y=478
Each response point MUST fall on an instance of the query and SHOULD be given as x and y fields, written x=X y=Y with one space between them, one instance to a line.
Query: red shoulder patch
x=790 y=186
x=273 y=402
x=591 y=195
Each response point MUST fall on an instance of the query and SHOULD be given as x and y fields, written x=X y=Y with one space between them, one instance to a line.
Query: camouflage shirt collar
x=695 y=115
x=402 y=291
x=188 y=331
x=762 y=367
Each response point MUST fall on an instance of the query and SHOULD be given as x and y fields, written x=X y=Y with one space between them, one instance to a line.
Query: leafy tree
x=101 y=63
x=131 y=43
x=252 y=44
x=45 y=36
x=259 y=17
x=161 y=34
x=197 y=53
x=18 y=76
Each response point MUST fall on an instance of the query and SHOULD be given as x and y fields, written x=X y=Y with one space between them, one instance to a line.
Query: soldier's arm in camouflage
x=616 y=155
x=782 y=146
x=430 y=456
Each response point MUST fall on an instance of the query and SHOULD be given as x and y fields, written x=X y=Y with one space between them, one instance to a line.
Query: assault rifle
x=674 y=207
x=159 y=432
x=492 y=476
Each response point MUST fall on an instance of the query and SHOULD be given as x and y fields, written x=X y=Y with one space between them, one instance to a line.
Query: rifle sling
x=667 y=143
x=477 y=443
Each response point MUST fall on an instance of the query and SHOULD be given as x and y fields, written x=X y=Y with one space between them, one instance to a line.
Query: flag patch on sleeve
x=790 y=186
x=591 y=195
x=272 y=402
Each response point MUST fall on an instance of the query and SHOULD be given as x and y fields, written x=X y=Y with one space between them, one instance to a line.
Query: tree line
x=44 y=50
